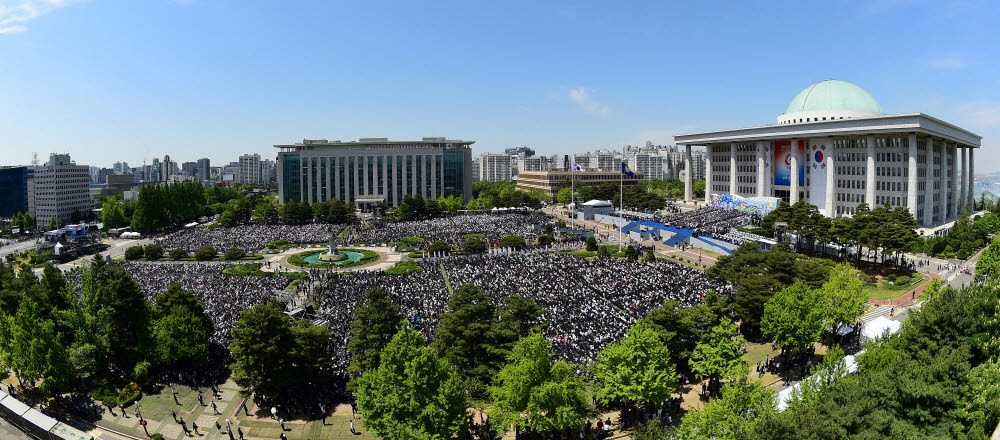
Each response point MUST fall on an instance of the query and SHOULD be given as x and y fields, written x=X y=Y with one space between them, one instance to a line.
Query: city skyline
x=219 y=80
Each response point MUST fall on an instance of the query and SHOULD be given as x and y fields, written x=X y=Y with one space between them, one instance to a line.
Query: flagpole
x=621 y=198
x=572 y=193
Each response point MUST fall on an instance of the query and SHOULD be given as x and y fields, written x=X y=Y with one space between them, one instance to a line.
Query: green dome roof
x=833 y=94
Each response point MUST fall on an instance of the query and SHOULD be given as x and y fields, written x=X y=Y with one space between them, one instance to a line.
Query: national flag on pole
x=577 y=167
x=626 y=170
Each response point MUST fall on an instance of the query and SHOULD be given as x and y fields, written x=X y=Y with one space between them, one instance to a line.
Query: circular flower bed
x=299 y=259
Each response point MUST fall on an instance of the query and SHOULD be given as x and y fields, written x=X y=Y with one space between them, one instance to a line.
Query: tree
x=412 y=394
x=465 y=337
x=546 y=240
x=133 y=253
x=533 y=392
x=989 y=261
x=736 y=415
x=794 y=317
x=206 y=253
x=439 y=247
x=115 y=300
x=722 y=356
x=564 y=196
x=681 y=329
x=309 y=354
x=181 y=336
x=636 y=369
x=847 y=300
x=153 y=251
x=516 y=320
x=177 y=254
x=512 y=241
x=262 y=339
x=650 y=256
x=752 y=293
x=812 y=273
x=591 y=244
x=698 y=188
x=474 y=246
x=375 y=323
x=235 y=253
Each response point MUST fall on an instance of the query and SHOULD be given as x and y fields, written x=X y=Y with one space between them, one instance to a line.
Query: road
x=117 y=250
x=17 y=248
x=9 y=432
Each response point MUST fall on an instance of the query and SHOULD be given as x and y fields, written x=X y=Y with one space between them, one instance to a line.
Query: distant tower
x=34 y=159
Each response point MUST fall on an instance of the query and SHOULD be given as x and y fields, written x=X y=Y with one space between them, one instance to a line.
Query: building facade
x=374 y=170
x=204 y=169
x=835 y=148
x=495 y=167
x=249 y=169
x=57 y=190
x=551 y=181
x=649 y=164
x=13 y=190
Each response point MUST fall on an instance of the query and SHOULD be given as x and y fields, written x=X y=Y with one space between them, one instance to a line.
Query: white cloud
x=14 y=13
x=982 y=113
x=948 y=63
x=581 y=96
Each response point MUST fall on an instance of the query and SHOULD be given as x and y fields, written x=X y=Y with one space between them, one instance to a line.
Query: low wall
x=36 y=424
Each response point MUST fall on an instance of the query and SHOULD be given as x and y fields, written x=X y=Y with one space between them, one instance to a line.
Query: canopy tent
x=878 y=328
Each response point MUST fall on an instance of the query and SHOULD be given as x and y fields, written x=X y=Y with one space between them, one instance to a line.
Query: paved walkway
x=159 y=409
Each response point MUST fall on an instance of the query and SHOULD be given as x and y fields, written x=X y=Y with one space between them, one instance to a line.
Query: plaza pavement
x=255 y=422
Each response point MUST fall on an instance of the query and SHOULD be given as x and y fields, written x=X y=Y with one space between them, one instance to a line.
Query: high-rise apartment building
x=268 y=172
x=167 y=168
x=494 y=167
x=249 y=169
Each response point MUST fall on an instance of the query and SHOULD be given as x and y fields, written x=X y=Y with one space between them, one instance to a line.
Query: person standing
x=353 y=432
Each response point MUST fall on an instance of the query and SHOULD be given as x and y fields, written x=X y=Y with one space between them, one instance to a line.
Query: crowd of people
x=248 y=237
x=421 y=296
x=223 y=296
x=740 y=238
x=588 y=303
x=451 y=229
x=708 y=220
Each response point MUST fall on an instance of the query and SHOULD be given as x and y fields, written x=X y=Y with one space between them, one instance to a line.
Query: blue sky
x=109 y=80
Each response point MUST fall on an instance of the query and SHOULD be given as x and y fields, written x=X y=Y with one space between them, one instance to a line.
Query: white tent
x=879 y=327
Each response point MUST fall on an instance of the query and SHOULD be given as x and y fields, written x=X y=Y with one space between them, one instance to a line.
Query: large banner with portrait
x=783 y=162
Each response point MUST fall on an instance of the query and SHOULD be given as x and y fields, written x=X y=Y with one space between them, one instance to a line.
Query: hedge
x=129 y=394
x=106 y=394
x=248 y=269
x=403 y=268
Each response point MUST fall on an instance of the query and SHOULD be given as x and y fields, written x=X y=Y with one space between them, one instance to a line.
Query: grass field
x=884 y=290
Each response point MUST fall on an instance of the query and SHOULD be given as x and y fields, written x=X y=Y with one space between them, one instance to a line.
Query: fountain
x=332 y=255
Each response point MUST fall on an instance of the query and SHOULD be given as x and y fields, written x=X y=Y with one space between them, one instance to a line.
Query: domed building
x=834 y=147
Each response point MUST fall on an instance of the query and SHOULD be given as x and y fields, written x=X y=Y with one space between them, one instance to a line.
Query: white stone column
x=831 y=182
x=911 y=183
x=943 y=181
x=793 y=198
x=954 y=181
x=394 y=178
x=760 y=169
x=688 y=181
x=309 y=180
x=870 y=171
x=732 y=169
x=963 y=182
x=336 y=176
x=364 y=174
x=972 y=180
x=413 y=177
x=329 y=179
x=708 y=174
x=929 y=191
x=434 y=171
x=357 y=178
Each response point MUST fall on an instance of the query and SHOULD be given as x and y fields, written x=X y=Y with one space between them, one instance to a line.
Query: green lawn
x=885 y=290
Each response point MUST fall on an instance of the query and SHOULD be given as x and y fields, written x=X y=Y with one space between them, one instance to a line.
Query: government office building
x=835 y=148
x=374 y=170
